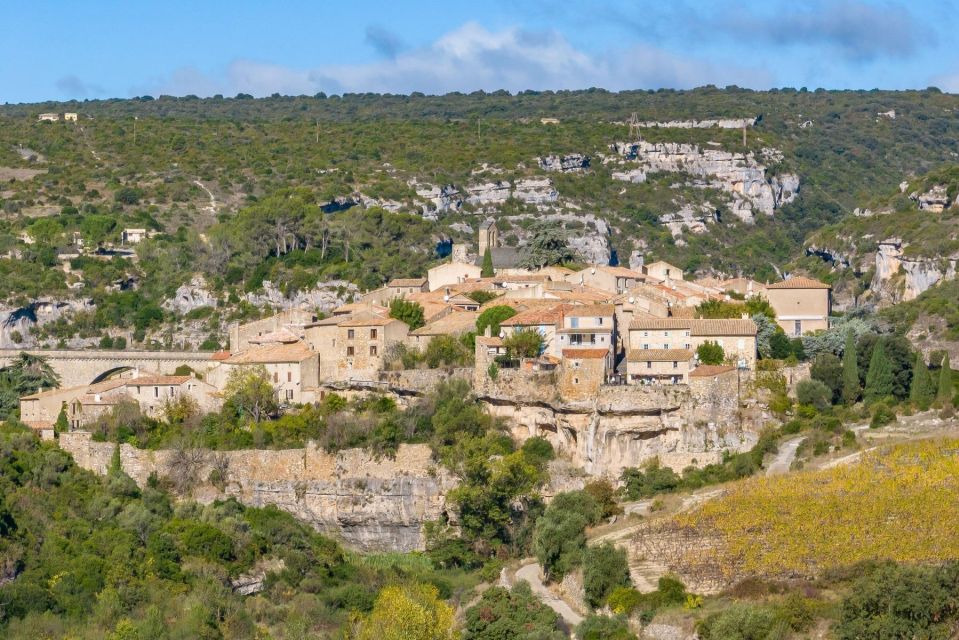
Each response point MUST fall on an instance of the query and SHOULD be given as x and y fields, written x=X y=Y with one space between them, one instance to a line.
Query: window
x=645 y=346
x=289 y=394
x=276 y=377
x=372 y=349
x=349 y=334
x=675 y=365
x=574 y=323
x=740 y=344
x=645 y=334
x=156 y=392
x=797 y=328
x=289 y=376
x=599 y=321
x=576 y=364
x=649 y=364
x=349 y=351
x=372 y=334
x=575 y=380
x=687 y=346
x=665 y=334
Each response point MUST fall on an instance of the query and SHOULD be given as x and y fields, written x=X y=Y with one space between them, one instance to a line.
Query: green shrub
x=814 y=393
x=604 y=569
x=881 y=415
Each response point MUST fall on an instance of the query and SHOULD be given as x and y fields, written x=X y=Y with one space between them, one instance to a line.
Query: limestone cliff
x=369 y=503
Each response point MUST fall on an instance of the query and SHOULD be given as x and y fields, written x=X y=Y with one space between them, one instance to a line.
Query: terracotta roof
x=406 y=282
x=708 y=370
x=697 y=326
x=352 y=307
x=550 y=315
x=587 y=310
x=622 y=272
x=221 y=355
x=585 y=354
x=686 y=313
x=662 y=262
x=146 y=381
x=296 y=352
x=455 y=322
x=524 y=277
x=799 y=282
x=493 y=341
x=38 y=425
x=659 y=355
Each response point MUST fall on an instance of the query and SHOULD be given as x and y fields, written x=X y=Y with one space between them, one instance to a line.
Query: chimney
x=488 y=332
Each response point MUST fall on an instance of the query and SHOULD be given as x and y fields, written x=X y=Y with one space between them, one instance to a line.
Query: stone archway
x=109 y=373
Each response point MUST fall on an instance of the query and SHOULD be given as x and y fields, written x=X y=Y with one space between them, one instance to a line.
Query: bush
x=814 y=393
x=604 y=628
x=881 y=415
x=710 y=353
x=604 y=569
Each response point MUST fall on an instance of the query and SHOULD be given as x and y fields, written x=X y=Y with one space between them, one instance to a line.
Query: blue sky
x=112 y=48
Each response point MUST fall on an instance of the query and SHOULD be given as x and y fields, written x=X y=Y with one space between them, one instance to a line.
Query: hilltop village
x=553 y=336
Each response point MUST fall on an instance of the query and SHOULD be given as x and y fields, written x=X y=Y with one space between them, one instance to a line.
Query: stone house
x=40 y=410
x=544 y=320
x=589 y=327
x=70 y=116
x=745 y=287
x=402 y=287
x=455 y=324
x=659 y=366
x=293 y=320
x=802 y=305
x=662 y=270
x=614 y=280
x=48 y=117
x=292 y=368
x=736 y=337
x=451 y=273
x=583 y=372
x=133 y=236
x=361 y=343
x=151 y=392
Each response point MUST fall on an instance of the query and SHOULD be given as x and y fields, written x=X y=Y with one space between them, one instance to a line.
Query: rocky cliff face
x=325 y=296
x=566 y=164
x=370 y=504
x=190 y=296
x=17 y=323
x=742 y=176
x=627 y=425
x=899 y=278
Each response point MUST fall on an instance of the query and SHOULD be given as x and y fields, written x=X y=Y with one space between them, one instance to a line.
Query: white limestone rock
x=19 y=321
x=190 y=296
x=487 y=193
x=566 y=164
x=325 y=296
x=535 y=191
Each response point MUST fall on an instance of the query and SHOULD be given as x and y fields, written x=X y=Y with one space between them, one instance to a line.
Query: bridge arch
x=109 y=373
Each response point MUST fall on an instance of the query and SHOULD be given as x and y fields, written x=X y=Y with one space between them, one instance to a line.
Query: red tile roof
x=708 y=370
x=697 y=326
x=585 y=354
x=659 y=355
x=587 y=310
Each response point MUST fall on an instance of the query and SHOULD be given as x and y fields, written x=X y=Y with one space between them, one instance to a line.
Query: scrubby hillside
x=316 y=195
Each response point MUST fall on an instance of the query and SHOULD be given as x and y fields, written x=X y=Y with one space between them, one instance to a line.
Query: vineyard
x=899 y=503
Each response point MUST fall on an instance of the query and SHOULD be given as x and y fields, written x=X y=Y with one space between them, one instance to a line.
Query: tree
x=814 y=393
x=515 y=613
x=410 y=612
x=492 y=318
x=62 y=425
x=248 y=389
x=944 y=394
x=407 y=311
x=850 y=371
x=527 y=343
x=710 y=353
x=446 y=350
x=765 y=330
x=604 y=569
x=827 y=369
x=548 y=245
x=921 y=390
x=879 y=379
x=486 y=270
x=780 y=347
x=560 y=536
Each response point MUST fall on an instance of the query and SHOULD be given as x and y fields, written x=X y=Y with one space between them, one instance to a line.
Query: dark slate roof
x=504 y=257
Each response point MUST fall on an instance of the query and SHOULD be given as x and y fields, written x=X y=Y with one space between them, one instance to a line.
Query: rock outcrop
x=740 y=175
x=935 y=200
x=535 y=191
x=689 y=218
x=719 y=123
x=443 y=199
x=325 y=296
x=899 y=278
x=488 y=193
x=370 y=503
x=190 y=296
x=18 y=322
x=566 y=164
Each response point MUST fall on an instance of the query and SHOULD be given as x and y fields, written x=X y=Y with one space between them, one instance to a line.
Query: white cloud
x=471 y=58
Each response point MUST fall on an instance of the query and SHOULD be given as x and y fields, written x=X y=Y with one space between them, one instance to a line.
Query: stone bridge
x=81 y=367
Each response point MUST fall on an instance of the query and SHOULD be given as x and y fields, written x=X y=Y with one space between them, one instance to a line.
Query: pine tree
x=879 y=379
x=850 y=371
x=487 y=268
x=920 y=391
x=945 y=381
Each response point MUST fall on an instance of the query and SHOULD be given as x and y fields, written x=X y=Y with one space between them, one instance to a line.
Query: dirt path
x=784 y=459
x=531 y=574
x=212 y=207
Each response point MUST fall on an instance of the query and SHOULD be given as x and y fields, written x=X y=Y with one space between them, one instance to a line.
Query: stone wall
x=370 y=504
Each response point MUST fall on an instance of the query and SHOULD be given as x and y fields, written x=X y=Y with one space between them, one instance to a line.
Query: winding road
x=784 y=459
x=531 y=574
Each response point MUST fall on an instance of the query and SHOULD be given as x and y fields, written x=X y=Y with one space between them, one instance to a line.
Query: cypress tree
x=879 y=378
x=920 y=391
x=62 y=425
x=487 y=268
x=850 y=371
x=945 y=381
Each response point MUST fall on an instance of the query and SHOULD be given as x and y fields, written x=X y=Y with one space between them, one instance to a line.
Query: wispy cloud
x=472 y=57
